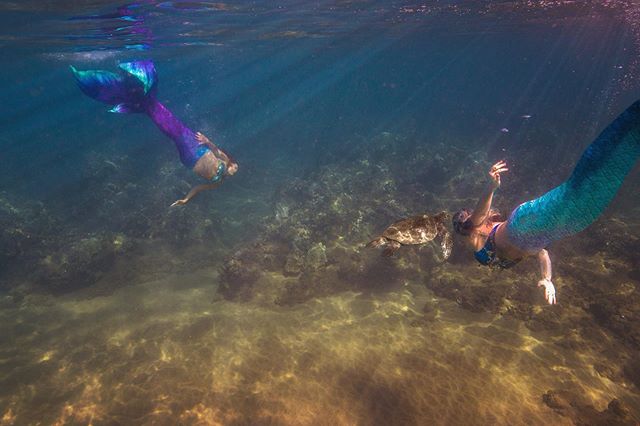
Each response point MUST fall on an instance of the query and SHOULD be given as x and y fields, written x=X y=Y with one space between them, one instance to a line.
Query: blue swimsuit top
x=487 y=254
x=222 y=166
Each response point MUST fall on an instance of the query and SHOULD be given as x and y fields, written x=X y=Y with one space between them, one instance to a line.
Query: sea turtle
x=415 y=230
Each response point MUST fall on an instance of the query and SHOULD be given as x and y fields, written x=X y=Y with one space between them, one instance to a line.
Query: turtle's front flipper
x=392 y=247
x=446 y=242
x=446 y=239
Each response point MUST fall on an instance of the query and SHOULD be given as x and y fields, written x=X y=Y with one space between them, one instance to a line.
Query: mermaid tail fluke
x=127 y=92
x=133 y=90
x=581 y=199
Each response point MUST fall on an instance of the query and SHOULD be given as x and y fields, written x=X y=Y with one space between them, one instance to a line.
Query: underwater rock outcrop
x=113 y=208
x=322 y=223
x=579 y=412
x=27 y=229
x=79 y=263
x=240 y=272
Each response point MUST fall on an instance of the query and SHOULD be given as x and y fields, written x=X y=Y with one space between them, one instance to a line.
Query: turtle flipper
x=446 y=242
x=392 y=247
x=380 y=241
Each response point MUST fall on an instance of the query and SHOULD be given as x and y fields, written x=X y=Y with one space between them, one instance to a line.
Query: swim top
x=222 y=167
x=487 y=254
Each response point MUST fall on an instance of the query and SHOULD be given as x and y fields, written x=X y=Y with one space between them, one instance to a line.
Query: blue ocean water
x=257 y=303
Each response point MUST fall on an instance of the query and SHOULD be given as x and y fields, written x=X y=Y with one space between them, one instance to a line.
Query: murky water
x=258 y=303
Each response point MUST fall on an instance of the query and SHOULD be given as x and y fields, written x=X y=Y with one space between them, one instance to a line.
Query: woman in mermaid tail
x=563 y=211
x=133 y=89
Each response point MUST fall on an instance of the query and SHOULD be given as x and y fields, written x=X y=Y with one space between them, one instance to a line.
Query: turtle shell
x=414 y=230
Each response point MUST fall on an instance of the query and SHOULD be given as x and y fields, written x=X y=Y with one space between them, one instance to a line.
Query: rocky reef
x=37 y=248
x=315 y=236
x=110 y=216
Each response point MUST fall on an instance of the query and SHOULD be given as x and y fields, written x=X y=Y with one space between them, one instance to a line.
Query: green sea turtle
x=415 y=230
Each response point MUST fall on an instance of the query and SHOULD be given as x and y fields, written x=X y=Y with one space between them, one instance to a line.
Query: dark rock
x=316 y=257
x=631 y=371
x=237 y=279
x=471 y=297
x=619 y=314
x=555 y=400
x=80 y=263
x=616 y=409
x=294 y=264
x=547 y=318
x=573 y=406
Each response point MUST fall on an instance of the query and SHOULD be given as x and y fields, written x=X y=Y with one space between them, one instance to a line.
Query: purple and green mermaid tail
x=575 y=204
x=132 y=89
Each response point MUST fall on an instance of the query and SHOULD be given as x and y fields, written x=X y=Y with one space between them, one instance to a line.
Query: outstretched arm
x=484 y=203
x=545 y=271
x=194 y=191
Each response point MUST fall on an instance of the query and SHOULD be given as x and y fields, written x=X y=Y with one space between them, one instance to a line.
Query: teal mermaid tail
x=127 y=91
x=575 y=204
x=133 y=89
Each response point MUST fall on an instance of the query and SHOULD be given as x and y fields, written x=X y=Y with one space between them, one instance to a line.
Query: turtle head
x=442 y=216
x=461 y=223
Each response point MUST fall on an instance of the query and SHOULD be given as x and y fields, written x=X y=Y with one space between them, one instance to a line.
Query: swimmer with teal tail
x=133 y=90
x=561 y=212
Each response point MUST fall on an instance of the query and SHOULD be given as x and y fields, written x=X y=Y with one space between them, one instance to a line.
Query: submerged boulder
x=80 y=263
x=574 y=406
x=316 y=257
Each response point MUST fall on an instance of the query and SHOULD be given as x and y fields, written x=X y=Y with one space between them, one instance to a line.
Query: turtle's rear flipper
x=377 y=242
x=391 y=248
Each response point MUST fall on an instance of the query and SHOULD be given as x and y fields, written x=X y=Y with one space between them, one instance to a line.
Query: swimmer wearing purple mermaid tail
x=565 y=210
x=133 y=89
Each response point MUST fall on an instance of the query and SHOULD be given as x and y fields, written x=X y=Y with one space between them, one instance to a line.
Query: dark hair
x=230 y=159
x=461 y=223
x=495 y=215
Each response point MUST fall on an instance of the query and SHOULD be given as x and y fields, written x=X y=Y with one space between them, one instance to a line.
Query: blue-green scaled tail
x=575 y=204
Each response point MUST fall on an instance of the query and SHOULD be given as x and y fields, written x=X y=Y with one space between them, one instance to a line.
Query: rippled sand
x=170 y=351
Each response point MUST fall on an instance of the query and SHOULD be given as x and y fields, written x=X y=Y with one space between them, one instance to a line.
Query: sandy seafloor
x=168 y=351
x=258 y=303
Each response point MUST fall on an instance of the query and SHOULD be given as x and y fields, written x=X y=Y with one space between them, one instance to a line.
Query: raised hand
x=202 y=138
x=549 y=291
x=494 y=172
